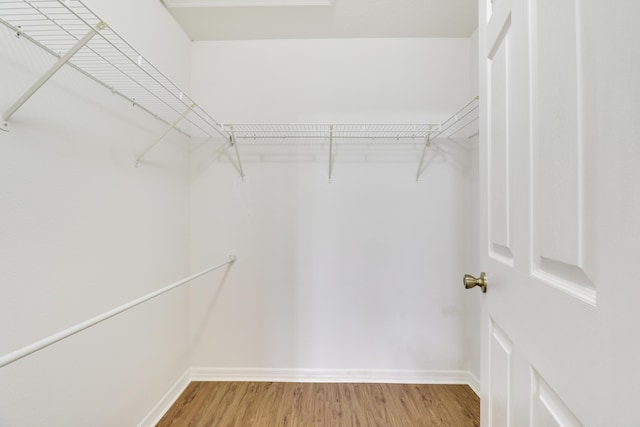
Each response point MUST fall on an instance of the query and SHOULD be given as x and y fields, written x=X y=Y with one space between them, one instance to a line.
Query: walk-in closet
x=233 y=193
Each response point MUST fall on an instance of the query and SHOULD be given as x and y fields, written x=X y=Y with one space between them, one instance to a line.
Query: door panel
x=558 y=164
x=498 y=21
x=539 y=309
x=500 y=205
x=560 y=187
x=500 y=374
x=548 y=410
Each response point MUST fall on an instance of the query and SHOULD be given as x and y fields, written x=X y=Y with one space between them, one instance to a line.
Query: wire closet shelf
x=69 y=30
x=76 y=36
x=459 y=125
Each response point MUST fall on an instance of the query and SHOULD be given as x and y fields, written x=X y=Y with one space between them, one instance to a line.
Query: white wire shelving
x=456 y=125
x=463 y=124
x=317 y=131
x=71 y=32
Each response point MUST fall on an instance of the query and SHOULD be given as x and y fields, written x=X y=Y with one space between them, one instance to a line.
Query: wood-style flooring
x=267 y=404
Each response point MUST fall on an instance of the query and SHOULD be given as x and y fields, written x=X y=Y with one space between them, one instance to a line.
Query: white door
x=560 y=183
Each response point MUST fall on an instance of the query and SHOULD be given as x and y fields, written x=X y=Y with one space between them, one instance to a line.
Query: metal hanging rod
x=67 y=30
x=46 y=342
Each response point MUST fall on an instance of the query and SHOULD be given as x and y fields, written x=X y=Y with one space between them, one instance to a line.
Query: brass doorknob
x=471 y=282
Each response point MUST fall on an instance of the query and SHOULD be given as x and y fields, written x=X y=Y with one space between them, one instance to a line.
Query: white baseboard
x=474 y=383
x=158 y=411
x=330 y=375
x=306 y=375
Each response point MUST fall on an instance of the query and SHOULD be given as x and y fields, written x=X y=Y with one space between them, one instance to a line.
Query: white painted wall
x=83 y=231
x=360 y=274
x=332 y=80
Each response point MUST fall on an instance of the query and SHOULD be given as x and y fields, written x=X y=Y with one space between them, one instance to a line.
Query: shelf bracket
x=330 y=151
x=167 y=130
x=235 y=146
x=427 y=144
x=46 y=76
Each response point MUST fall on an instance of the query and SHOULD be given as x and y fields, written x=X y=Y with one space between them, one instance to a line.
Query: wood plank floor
x=268 y=404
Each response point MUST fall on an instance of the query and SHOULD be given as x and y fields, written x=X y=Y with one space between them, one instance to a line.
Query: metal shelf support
x=58 y=25
x=167 y=130
x=427 y=144
x=46 y=76
x=235 y=146
x=330 y=152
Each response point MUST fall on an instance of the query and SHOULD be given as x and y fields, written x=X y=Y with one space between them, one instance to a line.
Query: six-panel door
x=541 y=328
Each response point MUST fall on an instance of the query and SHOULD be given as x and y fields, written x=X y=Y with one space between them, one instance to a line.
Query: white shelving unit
x=461 y=124
x=71 y=32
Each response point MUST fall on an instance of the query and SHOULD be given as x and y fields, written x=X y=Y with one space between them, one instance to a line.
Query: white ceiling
x=214 y=20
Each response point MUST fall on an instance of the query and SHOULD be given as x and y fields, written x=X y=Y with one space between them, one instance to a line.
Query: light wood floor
x=267 y=404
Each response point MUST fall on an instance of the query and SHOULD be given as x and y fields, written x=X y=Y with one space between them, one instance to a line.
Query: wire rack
x=71 y=32
x=58 y=25
x=462 y=124
x=316 y=131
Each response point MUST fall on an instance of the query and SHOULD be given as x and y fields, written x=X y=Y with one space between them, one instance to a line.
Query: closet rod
x=46 y=342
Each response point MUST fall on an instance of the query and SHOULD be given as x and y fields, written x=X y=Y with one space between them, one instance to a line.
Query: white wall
x=360 y=274
x=83 y=231
x=335 y=80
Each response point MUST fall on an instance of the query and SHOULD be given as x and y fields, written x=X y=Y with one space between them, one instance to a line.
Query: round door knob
x=472 y=282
